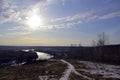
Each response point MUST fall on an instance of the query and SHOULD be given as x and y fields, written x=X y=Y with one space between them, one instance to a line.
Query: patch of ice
x=26 y=50
x=43 y=56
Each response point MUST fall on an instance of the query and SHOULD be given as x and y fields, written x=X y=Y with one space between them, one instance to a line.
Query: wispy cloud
x=12 y=12
x=87 y=17
x=84 y=18
x=110 y=15
x=80 y=16
x=59 y=26
x=71 y=21
x=15 y=28
x=22 y=33
x=6 y=11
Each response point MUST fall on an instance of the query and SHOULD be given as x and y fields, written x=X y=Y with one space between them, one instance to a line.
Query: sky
x=58 y=22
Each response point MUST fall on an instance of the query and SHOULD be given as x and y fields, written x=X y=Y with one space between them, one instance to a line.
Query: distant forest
x=105 y=54
x=100 y=51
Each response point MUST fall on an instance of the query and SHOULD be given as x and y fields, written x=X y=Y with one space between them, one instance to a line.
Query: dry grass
x=53 y=68
x=73 y=76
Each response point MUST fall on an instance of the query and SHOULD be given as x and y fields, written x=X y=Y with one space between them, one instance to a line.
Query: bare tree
x=73 y=45
x=79 y=45
x=93 y=43
x=102 y=39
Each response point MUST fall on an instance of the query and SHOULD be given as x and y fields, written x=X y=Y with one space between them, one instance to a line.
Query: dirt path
x=71 y=69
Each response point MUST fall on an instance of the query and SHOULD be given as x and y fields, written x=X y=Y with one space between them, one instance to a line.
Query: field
x=59 y=69
x=50 y=68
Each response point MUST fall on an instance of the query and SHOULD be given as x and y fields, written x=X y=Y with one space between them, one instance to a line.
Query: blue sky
x=58 y=22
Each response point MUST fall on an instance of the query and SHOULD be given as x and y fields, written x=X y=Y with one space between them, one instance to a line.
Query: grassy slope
x=52 y=68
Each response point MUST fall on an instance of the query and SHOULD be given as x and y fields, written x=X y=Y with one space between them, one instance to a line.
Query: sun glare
x=34 y=22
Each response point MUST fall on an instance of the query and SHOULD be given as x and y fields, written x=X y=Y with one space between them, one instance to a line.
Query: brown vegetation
x=53 y=69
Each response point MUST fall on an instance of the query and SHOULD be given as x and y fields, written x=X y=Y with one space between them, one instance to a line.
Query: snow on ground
x=71 y=69
x=102 y=69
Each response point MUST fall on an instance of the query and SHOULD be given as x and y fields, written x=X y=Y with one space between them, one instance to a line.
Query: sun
x=34 y=21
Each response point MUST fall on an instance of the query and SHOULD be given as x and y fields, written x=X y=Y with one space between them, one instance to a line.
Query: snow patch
x=108 y=71
x=71 y=69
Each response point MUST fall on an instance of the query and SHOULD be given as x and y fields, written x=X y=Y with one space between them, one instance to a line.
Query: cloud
x=17 y=33
x=110 y=15
x=10 y=11
x=87 y=17
x=81 y=16
x=16 y=28
x=63 y=25
x=5 y=11
x=75 y=19
x=71 y=21
x=13 y=12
